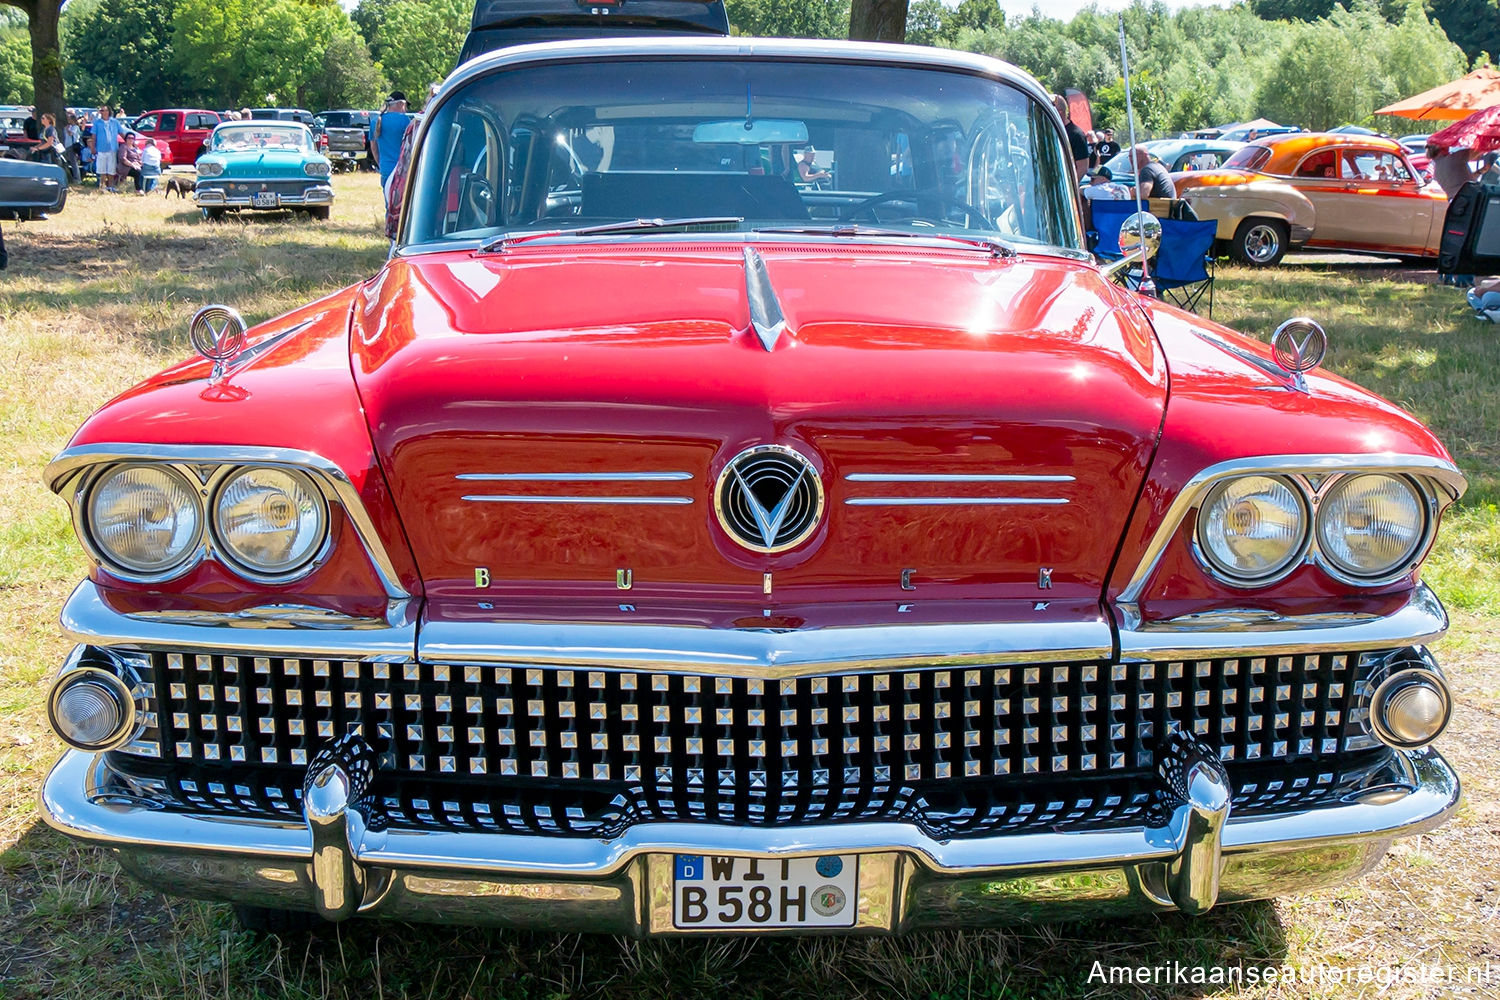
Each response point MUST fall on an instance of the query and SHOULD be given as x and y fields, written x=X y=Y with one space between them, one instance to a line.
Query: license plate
x=265 y=199
x=715 y=892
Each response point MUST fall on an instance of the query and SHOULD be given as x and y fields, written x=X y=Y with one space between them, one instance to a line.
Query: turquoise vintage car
x=264 y=165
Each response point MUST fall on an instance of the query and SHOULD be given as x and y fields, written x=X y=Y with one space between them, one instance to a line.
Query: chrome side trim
x=683 y=649
x=80 y=799
x=766 y=317
x=1442 y=474
x=331 y=480
x=639 y=501
x=575 y=477
x=87 y=619
x=1248 y=633
x=952 y=501
x=943 y=477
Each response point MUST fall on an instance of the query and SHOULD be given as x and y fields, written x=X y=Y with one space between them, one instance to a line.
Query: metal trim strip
x=575 y=477
x=944 y=477
x=636 y=501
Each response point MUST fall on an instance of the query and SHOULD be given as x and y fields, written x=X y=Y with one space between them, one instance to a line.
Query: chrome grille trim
x=647 y=501
x=951 y=501
x=943 y=477
x=575 y=477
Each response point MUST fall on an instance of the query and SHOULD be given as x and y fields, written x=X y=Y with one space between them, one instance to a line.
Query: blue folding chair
x=1109 y=216
x=1184 y=268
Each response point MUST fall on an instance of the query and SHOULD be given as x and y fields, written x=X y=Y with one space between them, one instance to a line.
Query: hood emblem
x=765 y=310
x=769 y=498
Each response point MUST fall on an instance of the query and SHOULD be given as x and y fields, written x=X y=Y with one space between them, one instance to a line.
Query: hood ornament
x=218 y=333
x=1298 y=346
x=769 y=498
x=766 y=316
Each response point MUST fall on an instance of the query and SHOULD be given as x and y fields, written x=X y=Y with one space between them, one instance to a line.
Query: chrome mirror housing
x=1140 y=229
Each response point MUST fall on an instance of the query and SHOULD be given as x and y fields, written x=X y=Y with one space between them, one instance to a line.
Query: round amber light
x=1252 y=528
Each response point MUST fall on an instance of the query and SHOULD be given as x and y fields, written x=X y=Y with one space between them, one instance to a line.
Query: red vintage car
x=1366 y=195
x=658 y=545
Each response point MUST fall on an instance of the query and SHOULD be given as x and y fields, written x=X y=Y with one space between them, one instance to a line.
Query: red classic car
x=1366 y=195
x=657 y=546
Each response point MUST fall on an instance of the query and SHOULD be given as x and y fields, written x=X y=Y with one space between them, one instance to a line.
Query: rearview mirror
x=752 y=132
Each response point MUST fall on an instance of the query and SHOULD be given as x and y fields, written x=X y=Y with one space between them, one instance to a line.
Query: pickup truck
x=348 y=135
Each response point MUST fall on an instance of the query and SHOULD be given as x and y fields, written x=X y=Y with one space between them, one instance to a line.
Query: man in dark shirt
x=1107 y=146
x=1151 y=178
x=1078 y=143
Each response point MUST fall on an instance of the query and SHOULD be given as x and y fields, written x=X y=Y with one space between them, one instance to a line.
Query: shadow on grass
x=75 y=926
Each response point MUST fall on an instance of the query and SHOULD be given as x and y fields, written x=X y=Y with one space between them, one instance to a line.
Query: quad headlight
x=210 y=168
x=1252 y=528
x=1370 y=526
x=144 y=520
x=316 y=168
x=269 y=521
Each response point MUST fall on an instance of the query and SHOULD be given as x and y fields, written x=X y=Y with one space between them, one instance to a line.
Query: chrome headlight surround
x=1338 y=568
x=209 y=168
x=1203 y=546
x=83 y=522
x=317 y=168
x=309 y=556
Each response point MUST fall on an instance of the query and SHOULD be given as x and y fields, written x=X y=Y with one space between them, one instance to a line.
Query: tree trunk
x=878 y=20
x=46 y=59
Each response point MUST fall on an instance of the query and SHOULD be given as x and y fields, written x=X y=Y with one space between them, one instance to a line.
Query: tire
x=263 y=920
x=1260 y=242
x=213 y=214
x=321 y=212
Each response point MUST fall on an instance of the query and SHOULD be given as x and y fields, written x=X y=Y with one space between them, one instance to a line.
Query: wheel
x=320 y=212
x=263 y=920
x=921 y=201
x=1260 y=242
x=212 y=214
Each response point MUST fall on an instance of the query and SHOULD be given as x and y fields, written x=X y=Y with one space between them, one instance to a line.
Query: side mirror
x=1140 y=229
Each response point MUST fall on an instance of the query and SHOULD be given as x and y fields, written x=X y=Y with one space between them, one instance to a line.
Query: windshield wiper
x=993 y=247
x=502 y=243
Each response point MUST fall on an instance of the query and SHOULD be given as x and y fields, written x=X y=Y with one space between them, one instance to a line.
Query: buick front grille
x=585 y=750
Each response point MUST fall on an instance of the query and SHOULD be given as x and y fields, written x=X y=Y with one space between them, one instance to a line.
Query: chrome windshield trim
x=75 y=800
x=764 y=654
x=639 y=501
x=86 y=618
x=951 y=501
x=332 y=480
x=574 y=477
x=1246 y=632
x=944 y=477
x=1440 y=472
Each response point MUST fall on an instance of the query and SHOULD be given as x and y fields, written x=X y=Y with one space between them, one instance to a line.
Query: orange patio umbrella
x=1455 y=100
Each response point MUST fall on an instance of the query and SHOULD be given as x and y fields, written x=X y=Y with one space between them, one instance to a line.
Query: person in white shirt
x=1102 y=186
x=150 y=165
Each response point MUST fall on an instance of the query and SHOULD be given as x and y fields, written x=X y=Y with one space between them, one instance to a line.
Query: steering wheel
x=923 y=201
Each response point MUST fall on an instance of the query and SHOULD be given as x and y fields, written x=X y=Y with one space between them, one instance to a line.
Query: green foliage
x=120 y=51
x=1474 y=25
x=420 y=41
x=15 y=66
x=807 y=19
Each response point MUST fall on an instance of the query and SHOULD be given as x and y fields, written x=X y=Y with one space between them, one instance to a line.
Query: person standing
x=73 y=148
x=1078 y=143
x=1107 y=147
x=1151 y=178
x=106 y=145
x=385 y=134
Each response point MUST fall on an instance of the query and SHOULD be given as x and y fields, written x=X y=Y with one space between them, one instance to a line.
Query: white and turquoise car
x=265 y=165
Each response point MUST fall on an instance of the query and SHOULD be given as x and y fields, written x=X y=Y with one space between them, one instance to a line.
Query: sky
x=1065 y=9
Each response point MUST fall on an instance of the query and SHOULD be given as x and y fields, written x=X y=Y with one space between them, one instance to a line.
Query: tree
x=346 y=78
x=15 y=67
x=46 y=54
x=420 y=41
x=878 y=20
x=1473 y=24
x=773 y=18
x=121 y=51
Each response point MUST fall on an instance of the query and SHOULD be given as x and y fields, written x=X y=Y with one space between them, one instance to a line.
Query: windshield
x=773 y=143
x=258 y=135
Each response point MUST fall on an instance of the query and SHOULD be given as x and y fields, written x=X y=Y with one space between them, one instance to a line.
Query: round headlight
x=144 y=518
x=270 y=521
x=316 y=168
x=210 y=168
x=1252 y=528
x=91 y=709
x=1370 y=526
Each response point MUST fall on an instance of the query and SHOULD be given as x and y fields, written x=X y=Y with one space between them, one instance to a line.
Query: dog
x=180 y=183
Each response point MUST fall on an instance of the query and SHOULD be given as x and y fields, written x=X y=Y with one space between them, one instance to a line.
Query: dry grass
x=101 y=295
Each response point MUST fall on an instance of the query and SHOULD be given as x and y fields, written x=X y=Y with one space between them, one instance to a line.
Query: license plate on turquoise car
x=710 y=891
x=265 y=199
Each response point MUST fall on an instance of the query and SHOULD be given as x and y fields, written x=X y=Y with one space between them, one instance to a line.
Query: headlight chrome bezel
x=1313 y=490
x=205 y=482
x=210 y=168
x=237 y=563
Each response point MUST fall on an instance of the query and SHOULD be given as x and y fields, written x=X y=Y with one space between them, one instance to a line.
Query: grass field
x=101 y=295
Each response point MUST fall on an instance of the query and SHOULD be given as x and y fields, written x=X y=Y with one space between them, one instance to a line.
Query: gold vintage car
x=1320 y=190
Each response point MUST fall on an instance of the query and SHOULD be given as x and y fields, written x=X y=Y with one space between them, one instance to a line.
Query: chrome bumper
x=320 y=194
x=336 y=864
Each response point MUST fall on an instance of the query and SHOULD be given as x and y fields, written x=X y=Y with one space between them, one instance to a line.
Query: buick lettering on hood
x=742 y=504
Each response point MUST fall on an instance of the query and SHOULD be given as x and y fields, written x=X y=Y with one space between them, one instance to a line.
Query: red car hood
x=555 y=362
